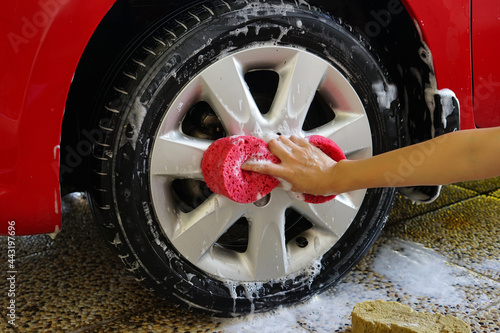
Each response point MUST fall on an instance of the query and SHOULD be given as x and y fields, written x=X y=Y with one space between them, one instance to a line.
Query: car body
x=55 y=53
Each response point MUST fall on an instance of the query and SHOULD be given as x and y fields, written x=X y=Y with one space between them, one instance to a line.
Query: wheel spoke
x=200 y=229
x=335 y=216
x=179 y=156
x=266 y=244
x=351 y=132
x=299 y=81
x=225 y=89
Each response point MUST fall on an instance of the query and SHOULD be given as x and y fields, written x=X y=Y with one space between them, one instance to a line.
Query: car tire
x=223 y=68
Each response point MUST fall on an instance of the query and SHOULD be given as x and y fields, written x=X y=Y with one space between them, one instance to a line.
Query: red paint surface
x=42 y=42
x=486 y=66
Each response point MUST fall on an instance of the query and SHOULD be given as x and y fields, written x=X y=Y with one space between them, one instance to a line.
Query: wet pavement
x=442 y=257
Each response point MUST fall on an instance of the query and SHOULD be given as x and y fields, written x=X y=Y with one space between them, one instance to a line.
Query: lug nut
x=301 y=242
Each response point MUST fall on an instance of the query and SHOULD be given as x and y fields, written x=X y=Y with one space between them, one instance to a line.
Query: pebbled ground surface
x=443 y=257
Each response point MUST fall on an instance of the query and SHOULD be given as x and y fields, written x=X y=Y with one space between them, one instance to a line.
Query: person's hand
x=303 y=165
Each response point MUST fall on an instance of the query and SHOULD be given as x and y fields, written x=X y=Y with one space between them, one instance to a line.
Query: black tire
x=141 y=214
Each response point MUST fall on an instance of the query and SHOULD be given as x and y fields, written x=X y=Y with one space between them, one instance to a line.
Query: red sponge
x=221 y=167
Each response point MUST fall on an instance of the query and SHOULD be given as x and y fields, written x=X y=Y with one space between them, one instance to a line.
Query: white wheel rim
x=177 y=156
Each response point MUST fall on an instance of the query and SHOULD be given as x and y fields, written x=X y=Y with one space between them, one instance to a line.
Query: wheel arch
x=123 y=23
x=401 y=33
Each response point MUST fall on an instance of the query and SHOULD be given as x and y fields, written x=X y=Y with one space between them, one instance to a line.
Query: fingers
x=281 y=146
x=284 y=147
x=305 y=144
x=270 y=168
x=278 y=148
x=253 y=166
x=288 y=150
x=301 y=142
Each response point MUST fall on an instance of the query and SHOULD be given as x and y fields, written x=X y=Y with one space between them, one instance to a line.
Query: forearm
x=459 y=156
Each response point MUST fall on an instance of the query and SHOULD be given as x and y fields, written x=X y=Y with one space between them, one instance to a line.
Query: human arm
x=453 y=157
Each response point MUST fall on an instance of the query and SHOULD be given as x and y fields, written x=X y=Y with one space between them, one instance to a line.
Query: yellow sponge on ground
x=392 y=317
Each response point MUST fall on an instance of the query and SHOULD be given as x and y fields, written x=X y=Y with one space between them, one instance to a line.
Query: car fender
x=41 y=47
x=445 y=26
x=485 y=28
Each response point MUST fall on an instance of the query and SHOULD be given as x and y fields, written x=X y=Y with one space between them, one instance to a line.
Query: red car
x=120 y=99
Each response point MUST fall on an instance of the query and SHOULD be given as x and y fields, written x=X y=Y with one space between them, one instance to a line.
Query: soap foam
x=419 y=271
